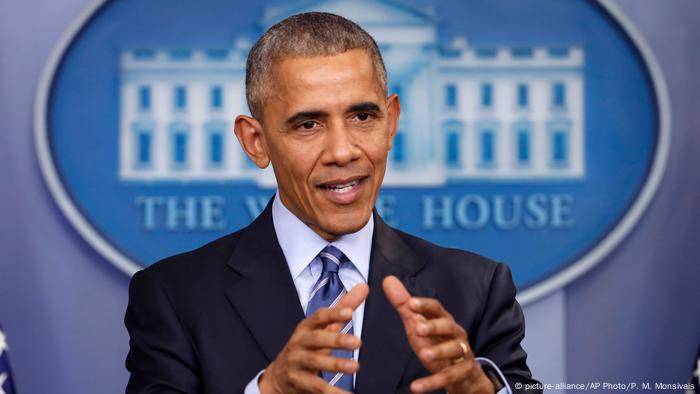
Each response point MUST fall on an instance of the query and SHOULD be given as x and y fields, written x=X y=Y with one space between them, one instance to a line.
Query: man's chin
x=341 y=224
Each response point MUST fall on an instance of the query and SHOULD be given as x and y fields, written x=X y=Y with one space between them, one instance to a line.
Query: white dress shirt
x=301 y=247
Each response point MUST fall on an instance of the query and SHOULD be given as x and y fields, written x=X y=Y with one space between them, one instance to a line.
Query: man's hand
x=439 y=342
x=308 y=351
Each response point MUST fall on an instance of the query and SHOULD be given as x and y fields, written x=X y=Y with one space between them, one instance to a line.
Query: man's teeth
x=343 y=188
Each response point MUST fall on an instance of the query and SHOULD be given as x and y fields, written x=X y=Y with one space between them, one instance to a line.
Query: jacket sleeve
x=161 y=357
x=501 y=330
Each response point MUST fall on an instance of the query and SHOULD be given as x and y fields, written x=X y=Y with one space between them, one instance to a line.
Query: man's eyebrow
x=312 y=114
x=299 y=116
x=368 y=106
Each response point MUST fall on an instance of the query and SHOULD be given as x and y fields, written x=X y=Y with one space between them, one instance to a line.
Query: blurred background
x=610 y=288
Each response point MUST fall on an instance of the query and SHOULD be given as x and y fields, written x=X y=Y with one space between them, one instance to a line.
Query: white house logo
x=539 y=144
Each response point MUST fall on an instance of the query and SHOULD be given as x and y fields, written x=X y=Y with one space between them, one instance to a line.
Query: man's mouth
x=344 y=188
x=344 y=191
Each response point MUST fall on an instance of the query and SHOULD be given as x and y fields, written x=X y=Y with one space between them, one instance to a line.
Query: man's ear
x=249 y=132
x=393 y=109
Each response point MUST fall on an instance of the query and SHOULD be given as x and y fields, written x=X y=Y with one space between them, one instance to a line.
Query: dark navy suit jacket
x=209 y=320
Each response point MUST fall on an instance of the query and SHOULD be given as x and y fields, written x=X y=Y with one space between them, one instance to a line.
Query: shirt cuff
x=252 y=386
x=483 y=361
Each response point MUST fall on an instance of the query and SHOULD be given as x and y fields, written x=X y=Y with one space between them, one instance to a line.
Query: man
x=318 y=294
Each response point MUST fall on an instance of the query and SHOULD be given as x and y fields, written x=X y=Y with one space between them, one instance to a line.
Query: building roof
x=372 y=12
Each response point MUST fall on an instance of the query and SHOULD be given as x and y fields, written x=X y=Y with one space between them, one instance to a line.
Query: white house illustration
x=493 y=113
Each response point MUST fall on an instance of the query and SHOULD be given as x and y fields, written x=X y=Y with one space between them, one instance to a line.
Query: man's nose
x=341 y=145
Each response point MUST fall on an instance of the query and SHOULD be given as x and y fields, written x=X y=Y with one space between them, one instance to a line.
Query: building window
x=486 y=95
x=179 y=144
x=216 y=149
x=180 y=54
x=180 y=98
x=217 y=54
x=215 y=143
x=217 y=97
x=523 y=96
x=558 y=52
x=453 y=149
x=453 y=131
x=451 y=96
x=523 y=145
x=521 y=53
x=559 y=141
x=399 y=148
x=560 y=147
x=144 y=98
x=488 y=147
x=143 y=54
x=143 y=144
x=180 y=148
x=486 y=150
x=522 y=142
x=558 y=95
x=486 y=53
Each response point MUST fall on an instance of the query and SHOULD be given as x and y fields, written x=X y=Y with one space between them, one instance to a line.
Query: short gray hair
x=306 y=35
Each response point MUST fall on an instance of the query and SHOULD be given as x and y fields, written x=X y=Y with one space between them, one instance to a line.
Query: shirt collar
x=301 y=245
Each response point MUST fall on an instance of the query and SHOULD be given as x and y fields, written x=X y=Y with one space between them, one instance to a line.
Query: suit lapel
x=264 y=294
x=385 y=349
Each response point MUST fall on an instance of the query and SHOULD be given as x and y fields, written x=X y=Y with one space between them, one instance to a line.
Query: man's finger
x=446 y=377
x=355 y=297
x=325 y=316
x=315 y=361
x=323 y=339
x=311 y=383
x=352 y=300
x=443 y=326
x=445 y=351
x=428 y=307
x=397 y=295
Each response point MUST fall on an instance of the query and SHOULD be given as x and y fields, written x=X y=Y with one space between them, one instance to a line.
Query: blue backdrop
x=635 y=317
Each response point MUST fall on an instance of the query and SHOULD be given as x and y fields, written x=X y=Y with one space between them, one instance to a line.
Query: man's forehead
x=295 y=79
x=345 y=64
x=355 y=52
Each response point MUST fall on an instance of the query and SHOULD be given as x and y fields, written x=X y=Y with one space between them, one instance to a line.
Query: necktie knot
x=332 y=258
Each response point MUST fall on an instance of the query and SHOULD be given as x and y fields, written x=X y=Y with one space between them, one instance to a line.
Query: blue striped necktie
x=326 y=293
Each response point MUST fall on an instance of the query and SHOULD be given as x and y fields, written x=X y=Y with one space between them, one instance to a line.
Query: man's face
x=328 y=128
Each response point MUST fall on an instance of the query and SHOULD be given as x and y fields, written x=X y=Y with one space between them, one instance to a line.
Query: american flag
x=6 y=385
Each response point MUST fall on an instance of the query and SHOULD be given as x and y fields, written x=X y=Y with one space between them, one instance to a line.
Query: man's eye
x=363 y=116
x=308 y=125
